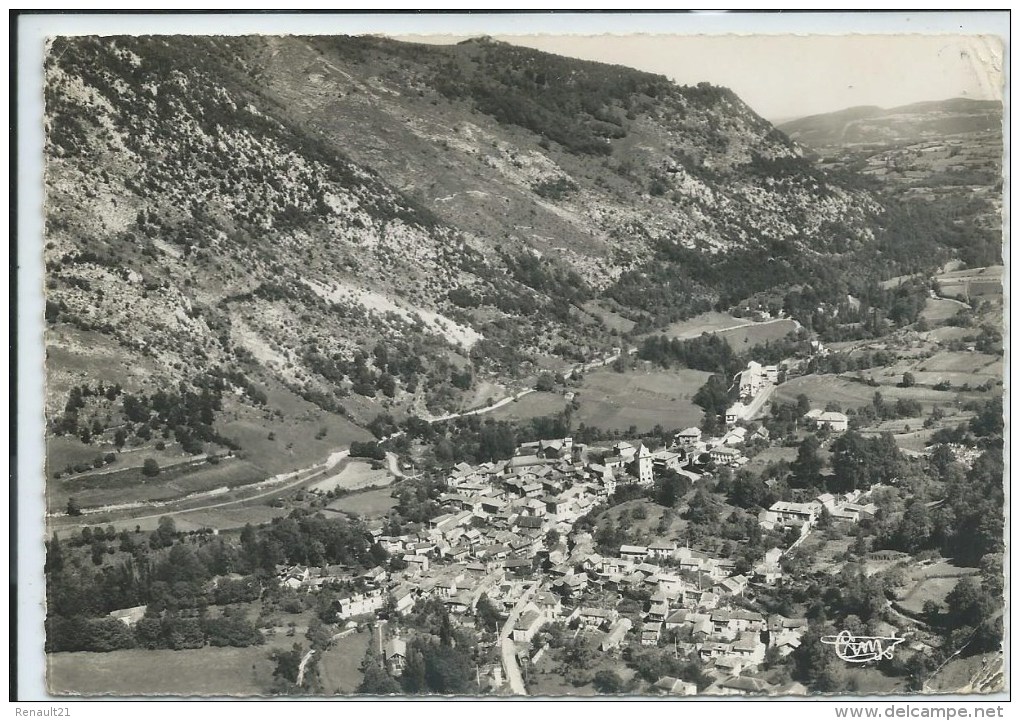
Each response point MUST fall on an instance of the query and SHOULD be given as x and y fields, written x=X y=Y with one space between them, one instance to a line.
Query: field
x=532 y=405
x=368 y=504
x=643 y=399
x=958 y=368
x=191 y=672
x=545 y=680
x=822 y=389
x=353 y=475
x=705 y=323
x=339 y=666
x=980 y=282
x=302 y=436
x=937 y=310
x=129 y=485
x=931 y=583
x=959 y=675
x=208 y=671
x=746 y=337
x=772 y=454
x=483 y=392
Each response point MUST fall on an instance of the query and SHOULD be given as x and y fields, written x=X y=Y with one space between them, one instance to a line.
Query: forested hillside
x=286 y=227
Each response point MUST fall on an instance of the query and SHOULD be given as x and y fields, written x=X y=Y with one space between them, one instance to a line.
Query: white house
x=689 y=436
x=835 y=422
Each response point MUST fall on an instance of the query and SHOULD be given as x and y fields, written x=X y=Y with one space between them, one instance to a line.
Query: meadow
x=375 y=503
x=340 y=664
x=353 y=475
x=931 y=583
x=130 y=485
x=641 y=398
x=823 y=389
x=744 y=338
x=709 y=322
x=205 y=671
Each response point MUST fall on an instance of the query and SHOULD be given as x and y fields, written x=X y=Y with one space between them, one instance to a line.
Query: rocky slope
x=368 y=225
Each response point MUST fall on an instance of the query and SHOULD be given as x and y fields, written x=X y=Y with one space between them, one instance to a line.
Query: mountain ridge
x=912 y=121
x=356 y=226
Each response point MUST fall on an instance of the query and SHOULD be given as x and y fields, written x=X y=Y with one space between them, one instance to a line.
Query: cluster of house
x=755 y=384
x=805 y=515
x=722 y=450
x=690 y=594
x=493 y=539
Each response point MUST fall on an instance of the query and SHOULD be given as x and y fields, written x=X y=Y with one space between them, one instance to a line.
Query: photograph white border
x=31 y=33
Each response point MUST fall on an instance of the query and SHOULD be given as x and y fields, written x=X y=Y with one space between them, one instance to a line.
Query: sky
x=783 y=64
x=789 y=76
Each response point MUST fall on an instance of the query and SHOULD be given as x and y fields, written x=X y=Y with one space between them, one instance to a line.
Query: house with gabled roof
x=688 y=436
x=634 y=553
x=616 y=634
x=416 y=563
x=670 y=686
x=528 y=624
x=734 y=585
x=597 y=617
x=662 y=549
x=651 y=631
x=739 y=686
x=395 y=655
x=677 y=619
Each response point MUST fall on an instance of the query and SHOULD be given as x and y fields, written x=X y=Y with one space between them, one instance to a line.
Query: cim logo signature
x=861 y=649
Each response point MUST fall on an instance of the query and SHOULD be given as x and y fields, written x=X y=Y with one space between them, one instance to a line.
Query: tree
x=54 y=556
x=545 y=383
x=489 y=617
x=166 y=531
x=288 y=663
x=908 y=380
x=607 y=681
x=119 y=438
x=73 y=509
x=377 y=682
x=807 y=467
x=150 y=467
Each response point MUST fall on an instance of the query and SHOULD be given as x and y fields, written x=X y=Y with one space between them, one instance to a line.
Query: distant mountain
x=869 y=124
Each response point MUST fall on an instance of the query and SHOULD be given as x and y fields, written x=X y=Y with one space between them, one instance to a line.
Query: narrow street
x=508 y=648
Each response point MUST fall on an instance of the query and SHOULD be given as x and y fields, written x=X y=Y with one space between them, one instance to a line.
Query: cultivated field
x=368 y=504
x=746 y=337
x=937 y=310
x=129 y=485
x=532 y=405
x=972 y=282
x=612 y=321
x=340 y=665
x=303 y=435
x=705 y=323
x=644 y=399
x=190 y=672
x=772 y=454
x=822 y=389
x=353 y=475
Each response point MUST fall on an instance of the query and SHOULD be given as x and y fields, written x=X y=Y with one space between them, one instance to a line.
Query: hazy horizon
x=786 y=77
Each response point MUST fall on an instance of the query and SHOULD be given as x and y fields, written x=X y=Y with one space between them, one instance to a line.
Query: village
x=507 y=535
